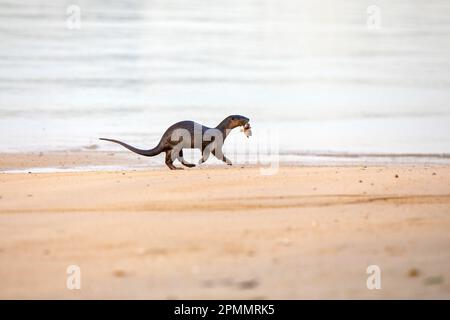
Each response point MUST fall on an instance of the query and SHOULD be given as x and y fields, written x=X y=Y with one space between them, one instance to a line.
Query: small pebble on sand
x=413 y=272
x=119 y=273
x=248 y=284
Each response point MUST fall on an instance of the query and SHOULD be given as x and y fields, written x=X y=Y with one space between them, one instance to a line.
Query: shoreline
x=96 y=160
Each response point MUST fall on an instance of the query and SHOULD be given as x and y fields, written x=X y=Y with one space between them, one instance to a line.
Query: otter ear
x=232 y=118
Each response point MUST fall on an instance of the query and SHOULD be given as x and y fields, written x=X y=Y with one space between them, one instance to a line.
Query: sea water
x=342 y=79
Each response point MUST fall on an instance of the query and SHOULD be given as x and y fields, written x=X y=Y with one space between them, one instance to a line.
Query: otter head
x=234 y=121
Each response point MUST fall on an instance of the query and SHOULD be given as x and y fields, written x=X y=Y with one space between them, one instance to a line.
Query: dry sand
x=228 y=232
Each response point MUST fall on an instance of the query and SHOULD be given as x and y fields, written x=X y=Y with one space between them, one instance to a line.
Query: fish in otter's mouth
x=247 y=130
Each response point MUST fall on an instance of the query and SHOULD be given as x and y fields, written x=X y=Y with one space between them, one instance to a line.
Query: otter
x=190 y=134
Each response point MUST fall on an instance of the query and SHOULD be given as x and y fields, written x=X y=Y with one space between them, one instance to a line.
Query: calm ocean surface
x=311 y=75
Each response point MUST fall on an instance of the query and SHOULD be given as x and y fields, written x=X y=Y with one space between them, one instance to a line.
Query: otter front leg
x=218 y=153
x=169 y=160
x=184 y=162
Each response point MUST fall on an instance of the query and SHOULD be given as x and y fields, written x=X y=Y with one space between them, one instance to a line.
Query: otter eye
x=232 y=118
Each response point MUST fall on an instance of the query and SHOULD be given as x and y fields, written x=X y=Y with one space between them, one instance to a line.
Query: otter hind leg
x=169 y=161
x=205 y=155
x=184 y=162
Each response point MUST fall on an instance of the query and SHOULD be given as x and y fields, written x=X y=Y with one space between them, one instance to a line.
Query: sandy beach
x=350 y=98
x=226 y=232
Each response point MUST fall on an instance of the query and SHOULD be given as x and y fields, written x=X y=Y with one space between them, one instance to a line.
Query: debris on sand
x=119 y=273
x=430 y=281
x=92 y=147
x=413 y=272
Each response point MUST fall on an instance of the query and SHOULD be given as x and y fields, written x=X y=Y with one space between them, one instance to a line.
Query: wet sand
x=71 y=160
x=227 y=232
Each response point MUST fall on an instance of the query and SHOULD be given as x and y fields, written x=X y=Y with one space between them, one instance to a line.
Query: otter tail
x=148 y=153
